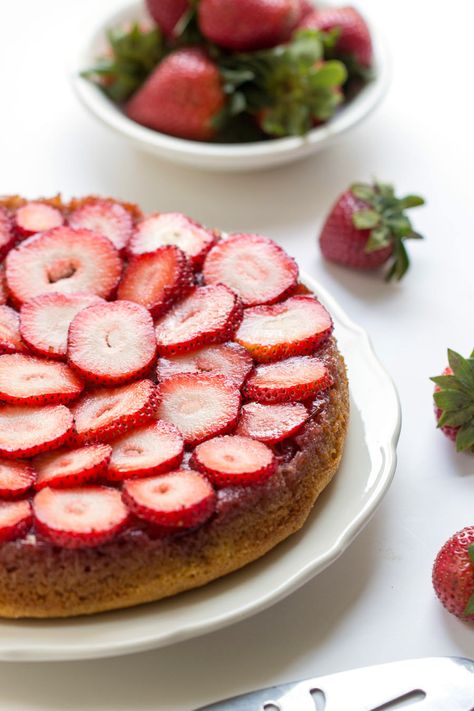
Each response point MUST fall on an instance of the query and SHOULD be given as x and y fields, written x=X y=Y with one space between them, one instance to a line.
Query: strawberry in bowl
x=190 y=71
x=173 y=402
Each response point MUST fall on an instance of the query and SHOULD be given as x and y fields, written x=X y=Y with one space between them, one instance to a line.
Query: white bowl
x=226 y=157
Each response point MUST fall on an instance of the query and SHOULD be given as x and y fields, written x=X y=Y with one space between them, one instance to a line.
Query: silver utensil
x=426 y=684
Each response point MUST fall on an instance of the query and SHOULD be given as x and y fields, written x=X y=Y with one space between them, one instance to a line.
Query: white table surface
x=375 y=603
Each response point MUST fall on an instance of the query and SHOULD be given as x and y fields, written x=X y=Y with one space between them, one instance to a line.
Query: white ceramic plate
x=341 y=512
x=227 y=157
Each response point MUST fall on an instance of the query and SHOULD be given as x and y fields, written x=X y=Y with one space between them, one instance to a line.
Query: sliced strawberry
x=210 y=314
x=157 y=280
x=15 y=519
x=256 y=268
x=3 y=286
x=164 y=228
x=103 y=414
x=67 y=468
x=180 y=499
x=112 y=343
x=63 y=260
x=200 y=406
x=104 y=217
x=271 y=423
x=232 y=460
x=26 y=431
x=36 y=217
x=10 y=339
x=288 y=380
x=227 y=359
x=7 y=235
x=45 y=321
x=79 y=518
x=16 y=478
x=150 y=450
x=294 y=327
x=27 y=380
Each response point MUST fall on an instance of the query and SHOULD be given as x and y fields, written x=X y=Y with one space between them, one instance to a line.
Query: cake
x=173 y=402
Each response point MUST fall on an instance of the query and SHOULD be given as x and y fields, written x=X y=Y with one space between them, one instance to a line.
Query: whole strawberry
x=454 y=400
x=244 y=25
x=367 y=227
x=354 y=36
x=167 y=13
x=453 y=574
x=181 y=97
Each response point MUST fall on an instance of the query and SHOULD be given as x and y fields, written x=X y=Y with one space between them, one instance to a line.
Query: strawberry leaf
x=379 y=239
x=470 y=606
x=365 y=219
x=411 y=201
x=463 y=369
x=134 y=53
x=364 y=192
x=457 y=418
x=449 y=382
x=391 y=226
x=465 y=437
x=470 y=551
x=400 y=263
x=452 y=399
x=289 y=87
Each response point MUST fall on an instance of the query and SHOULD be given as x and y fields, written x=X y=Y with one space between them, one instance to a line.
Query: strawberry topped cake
x=172 y=403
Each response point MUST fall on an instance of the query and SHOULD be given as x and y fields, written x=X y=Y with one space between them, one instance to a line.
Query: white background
x=376 y=602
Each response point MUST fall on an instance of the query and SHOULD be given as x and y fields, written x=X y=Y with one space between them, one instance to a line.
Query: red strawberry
x=36 y=217
x=232 y=460
x=3 y=286
x=306 y=6
x=156 y=280
x=172 y=228
x=454 y=400
x=227 y=359
x=10 y=339
x=288 y=380
x=293 y=327
x=45 y=321
x=27 y=380
x=15 y=519
x=181 y=97
x=16 y=478
x=150 y=450
x=244 y=25
x=354 y=38
x=200 y=406
x=210 y=314
x=271 y=423
x=180 y=499
x=367 y=227
x=112 y=343
x=67 y=468
x=104 y=217
x=106 y=413
x=256 y=268
x=26 y=431
x=453 y=574
x=63 y=260
x=79 y=518
x=167 y=13
x=7 y=235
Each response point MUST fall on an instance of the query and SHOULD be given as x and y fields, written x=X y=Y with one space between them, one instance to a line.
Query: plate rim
x=73 y=652
x=223 y=155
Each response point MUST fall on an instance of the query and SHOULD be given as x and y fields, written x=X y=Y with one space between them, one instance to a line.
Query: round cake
x=172 y=403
